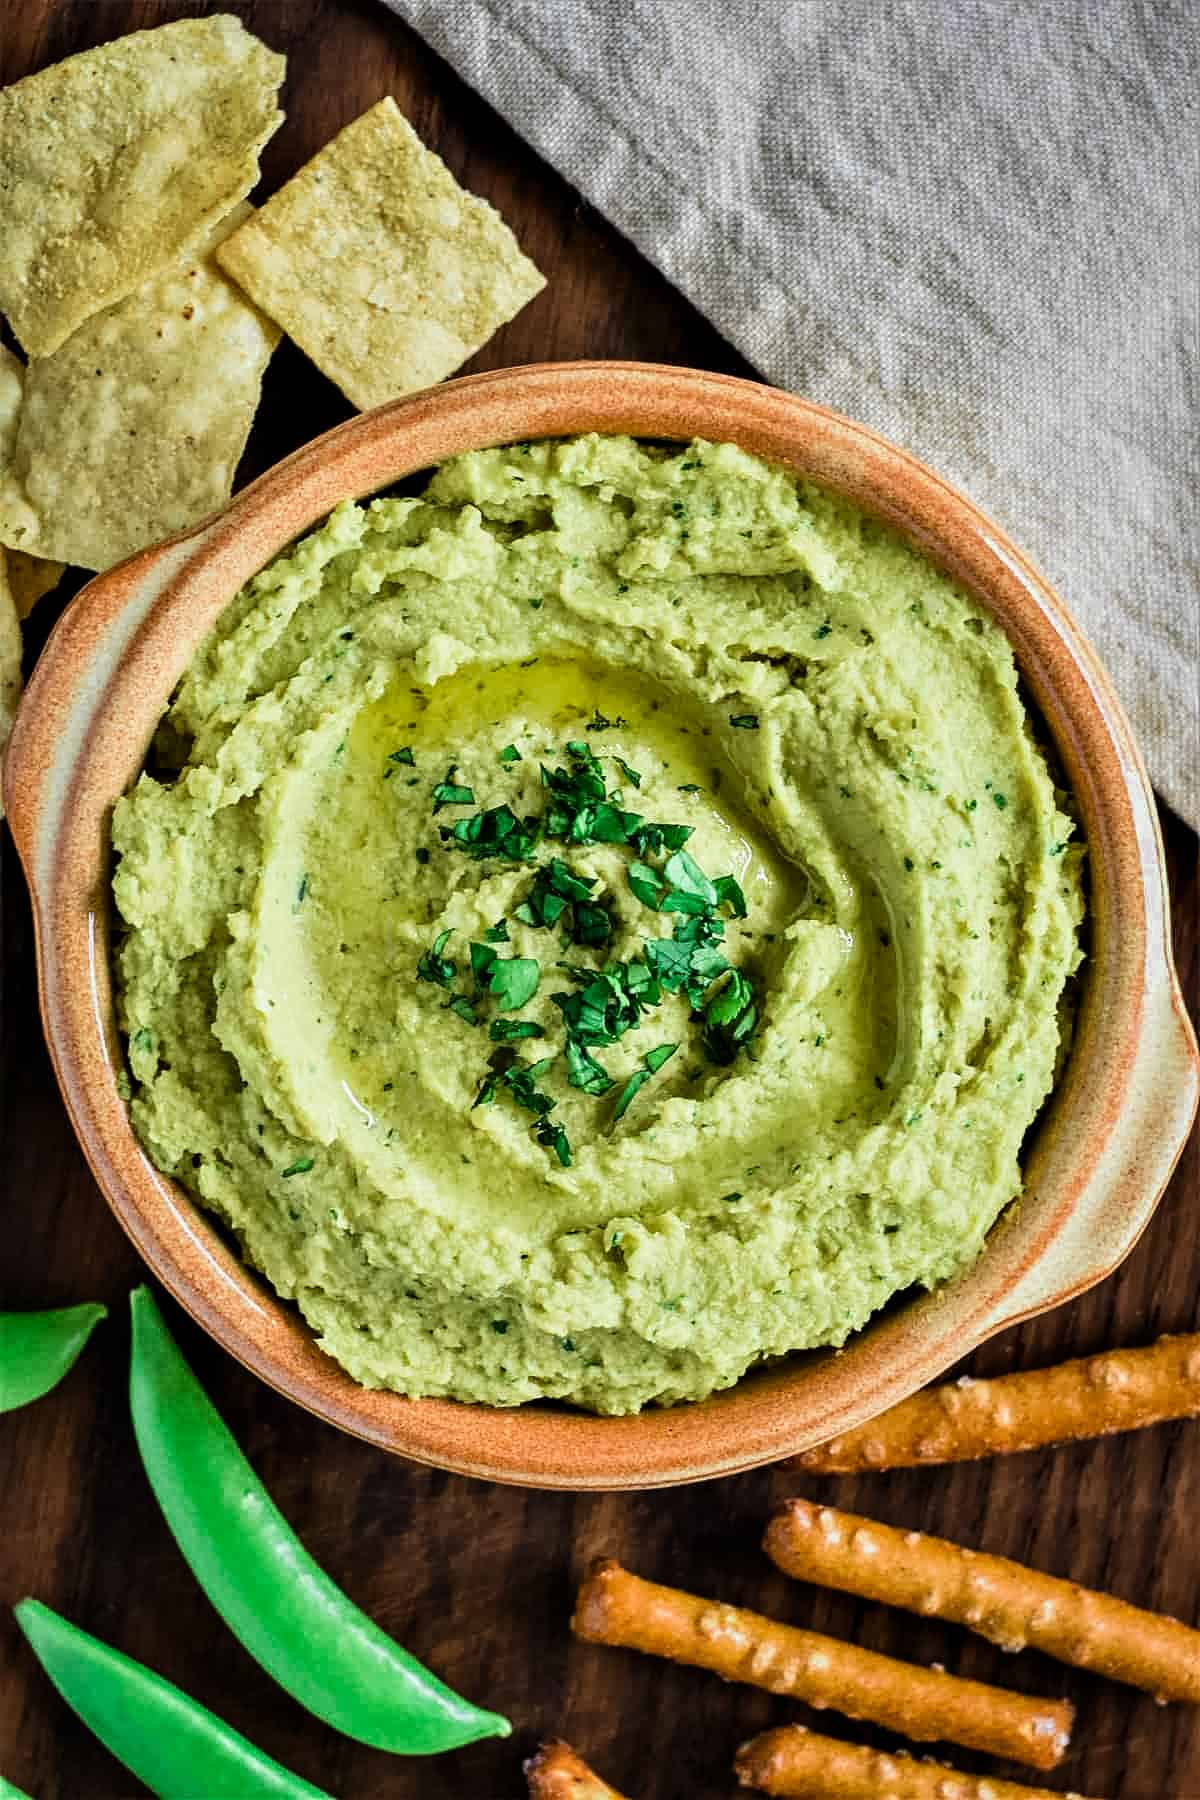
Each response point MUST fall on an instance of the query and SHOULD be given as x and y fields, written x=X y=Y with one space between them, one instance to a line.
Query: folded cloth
x=970 y=223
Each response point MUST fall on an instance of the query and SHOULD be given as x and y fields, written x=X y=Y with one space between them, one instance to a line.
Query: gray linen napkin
x=970 y=223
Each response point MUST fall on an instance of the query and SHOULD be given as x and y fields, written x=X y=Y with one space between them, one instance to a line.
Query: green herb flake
x=435 y=967
x=653 y=1062
x=301 y=1166
x=509 y=754
x=422 y=855
x=629 y=774
x=584 y=1072
x=403 y=757
x=1001 y=800
x=513 y=981
x=451 y=793
x=744 y=721
x=511 y=1031
x=646 y=883
x=729 y=893
x=554 y=1138
x=690 y=888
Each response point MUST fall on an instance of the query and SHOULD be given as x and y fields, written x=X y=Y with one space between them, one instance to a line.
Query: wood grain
x=476 y=1579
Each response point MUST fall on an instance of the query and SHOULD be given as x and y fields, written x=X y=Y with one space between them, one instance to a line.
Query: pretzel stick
x=1001 y=1600
x=615 y=1607
x=556 y=1773
x=1119 y=1390
x=793 y=1760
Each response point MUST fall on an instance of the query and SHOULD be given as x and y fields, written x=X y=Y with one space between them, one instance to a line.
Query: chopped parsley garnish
x=823 y=629
x=555 y=1138
x=422 y=855
x=435 y=967
x=403 y=756
x=729 y=1018
x=557 y=888
x=510 y=1031
x=690 y=890
x=744 y=721
x=583 y=1071
x=495 y=832
x=652 y=1063
x=729 y=893
x=602 y=1004
x=301 y=890
x=520 y=1080
x=689 y=787
x=610 y=1004
x=598 y=722
x=511 y=980
x=301 y=1166
x=451 y=793
x=728 y=1199
x=1001 y=800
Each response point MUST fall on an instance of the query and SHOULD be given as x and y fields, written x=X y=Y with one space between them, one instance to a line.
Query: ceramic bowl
x=1102 y=1152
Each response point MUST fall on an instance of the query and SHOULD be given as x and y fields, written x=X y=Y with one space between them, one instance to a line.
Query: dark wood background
x=478 y=1580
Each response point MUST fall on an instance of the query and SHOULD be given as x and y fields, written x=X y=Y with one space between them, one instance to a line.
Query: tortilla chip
x=384 y=271
x=10 y=662
x=30 y=577
x=133 y=430
x=112 y=161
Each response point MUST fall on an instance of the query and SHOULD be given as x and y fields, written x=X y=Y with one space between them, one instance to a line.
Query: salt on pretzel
x=1012 y=1605
x=799 y=1763
x=615 y=1607
x=960 y=1421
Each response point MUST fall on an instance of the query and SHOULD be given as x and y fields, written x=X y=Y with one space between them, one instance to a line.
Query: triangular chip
x=30 y=577
x=384 y=271
x=10 y=662
x=133 y=429
x=112 y=161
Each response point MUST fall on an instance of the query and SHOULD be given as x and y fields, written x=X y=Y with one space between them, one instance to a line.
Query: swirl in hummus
x=530 y=1109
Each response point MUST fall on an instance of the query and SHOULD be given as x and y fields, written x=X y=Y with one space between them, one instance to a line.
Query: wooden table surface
x=478 y=1580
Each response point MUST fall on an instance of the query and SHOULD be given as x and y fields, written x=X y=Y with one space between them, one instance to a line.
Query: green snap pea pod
x=173 y=1744
x=287 y=1612
x=37 y=1349
x=9 y=1792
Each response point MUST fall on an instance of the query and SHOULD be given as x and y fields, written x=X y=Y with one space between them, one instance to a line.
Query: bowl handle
x=1128 y=1181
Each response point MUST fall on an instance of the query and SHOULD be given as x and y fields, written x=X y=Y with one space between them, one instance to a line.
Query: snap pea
x=291 y=1617
x=172 y=1744
x=9 y=1792
x=37 y=1349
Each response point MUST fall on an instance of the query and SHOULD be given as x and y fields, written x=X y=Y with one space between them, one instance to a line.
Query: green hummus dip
x=595 y=925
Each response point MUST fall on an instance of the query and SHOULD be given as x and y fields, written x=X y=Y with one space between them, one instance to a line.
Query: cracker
x=10 y=662
x=112 y=161
x=384 y=271
x=133 y=430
